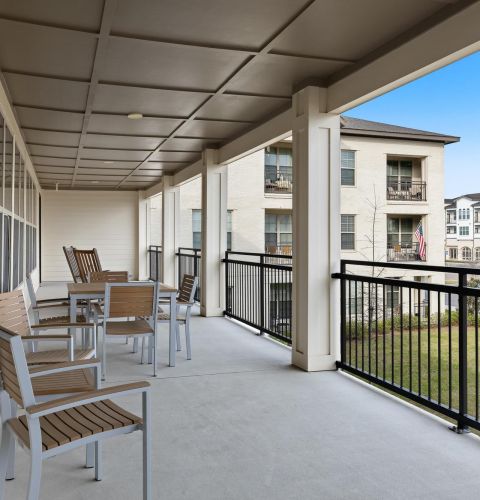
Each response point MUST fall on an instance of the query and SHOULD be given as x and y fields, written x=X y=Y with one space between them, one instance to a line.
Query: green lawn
x=398 y=368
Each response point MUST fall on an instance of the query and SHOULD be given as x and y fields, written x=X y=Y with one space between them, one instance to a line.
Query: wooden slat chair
x=108 y=276
x=14 y=316
x=88 y=262
x=130 y=310
x=60 y=306
x=72 y=263
x=53 y=381
x=185 y=300
x=54 y=427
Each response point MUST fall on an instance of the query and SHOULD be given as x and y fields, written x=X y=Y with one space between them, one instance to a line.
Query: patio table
x=92 y=291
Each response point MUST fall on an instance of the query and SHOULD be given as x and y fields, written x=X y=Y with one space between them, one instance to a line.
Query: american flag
x=421 y=241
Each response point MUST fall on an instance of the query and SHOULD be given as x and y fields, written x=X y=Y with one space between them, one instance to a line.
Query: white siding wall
x=105 y=220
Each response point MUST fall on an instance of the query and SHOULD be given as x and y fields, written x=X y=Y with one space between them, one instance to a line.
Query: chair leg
x=142 y=350
x=135 y=345
x=35 y=475
x=104 y=355
x=11 y=453
x=126 y=340
x=98 y=461
x=177 y=331
x=4 y=456
x=90 y=456
x=147 y=448
x=187 y=340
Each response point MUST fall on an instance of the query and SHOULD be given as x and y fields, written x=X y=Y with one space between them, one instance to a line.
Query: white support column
x=170 y=223
x=214 y=233
x=316 y=231
x=142 y=232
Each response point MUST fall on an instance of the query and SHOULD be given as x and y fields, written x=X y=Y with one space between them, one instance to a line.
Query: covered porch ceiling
x=201 y=73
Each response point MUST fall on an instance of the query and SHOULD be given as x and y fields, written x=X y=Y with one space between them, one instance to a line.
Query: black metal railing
x=282 y=184
x=405 y=252
x=406 y=190
x=155 y=262
x=189 y=262
x=419 y=340
x=258 y=292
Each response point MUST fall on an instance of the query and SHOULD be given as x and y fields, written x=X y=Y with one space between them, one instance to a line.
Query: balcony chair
x=133 y=308
x=72 y=263
x=185 y=300
x=50 y=428
x=88 y=262
x=14 y=316
x=51 y=382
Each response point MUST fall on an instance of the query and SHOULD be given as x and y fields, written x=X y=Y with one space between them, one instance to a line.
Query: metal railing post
x=462 y=354
x=227 y=298
x=262 y=294
x=343 y=312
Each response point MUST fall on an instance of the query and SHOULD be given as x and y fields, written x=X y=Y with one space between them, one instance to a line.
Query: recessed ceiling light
x=94 y=182
x=108 y=162
x=135 y=116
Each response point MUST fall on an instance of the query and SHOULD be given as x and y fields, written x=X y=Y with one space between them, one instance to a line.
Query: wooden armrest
x=51 y=326
x=50 y=306
x=45 y=301
x=80 y=364
x=47 y=337
x=61 y=404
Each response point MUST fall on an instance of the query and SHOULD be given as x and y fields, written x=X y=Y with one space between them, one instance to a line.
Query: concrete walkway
x=238 y=422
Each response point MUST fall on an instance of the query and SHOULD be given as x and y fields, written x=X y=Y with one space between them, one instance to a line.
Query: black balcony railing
x=406 y=190
x=281 y=184
x=405 y=252
x=259 y=292
x=419 y=340
x=189 y=262
x=155 y=264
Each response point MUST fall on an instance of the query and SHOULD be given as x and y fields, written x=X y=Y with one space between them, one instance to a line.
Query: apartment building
x=462 y=228
x=392 y=182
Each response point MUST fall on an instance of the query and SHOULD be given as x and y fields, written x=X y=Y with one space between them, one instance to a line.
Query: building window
x=453 y=253
x=451 y=230
x=477 y=253
x=477 y=229
x=464 y=214
x=348 y=167
x=278 y=170
x=466 y=253
x=197 y=229
x=464 y=230
x=348 y=232
x=278 y=233
x=451 y=216
x=399 y=174
x=392 y=296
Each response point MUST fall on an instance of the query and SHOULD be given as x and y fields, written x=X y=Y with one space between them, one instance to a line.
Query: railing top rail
x=255 y=254
x=264 y=265
x=415 y=267
x=154 y=247
x=196 y=251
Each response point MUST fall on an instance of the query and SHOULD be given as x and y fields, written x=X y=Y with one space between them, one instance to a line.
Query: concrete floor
x=238 y=422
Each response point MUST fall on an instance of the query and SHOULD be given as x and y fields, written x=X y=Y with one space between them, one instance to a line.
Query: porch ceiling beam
x=248 y=51
x=109 y=9
x=276 y=129
x=449 y=35
x=223 y=87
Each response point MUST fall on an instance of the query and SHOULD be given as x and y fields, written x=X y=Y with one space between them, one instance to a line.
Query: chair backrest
x=109 y=276
x=31 y=291
x=88 y=262
x=188 y=288
x=13 y=365
x=13 y=312
x=134 y=299
x=72 y=263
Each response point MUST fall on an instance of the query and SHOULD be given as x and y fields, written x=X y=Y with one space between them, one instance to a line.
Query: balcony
x=281 y=185
x=239 y=422
x=406 y=190
x=404 y=252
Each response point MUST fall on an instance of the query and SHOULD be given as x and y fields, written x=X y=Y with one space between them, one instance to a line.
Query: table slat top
x=99 y=288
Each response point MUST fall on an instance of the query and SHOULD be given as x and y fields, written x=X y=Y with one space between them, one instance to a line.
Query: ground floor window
x=477 y=253
x=453 y=253
x=466 y=253
x=197 y=229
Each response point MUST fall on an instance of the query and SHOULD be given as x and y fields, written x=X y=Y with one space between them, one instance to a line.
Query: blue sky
x=446 y=101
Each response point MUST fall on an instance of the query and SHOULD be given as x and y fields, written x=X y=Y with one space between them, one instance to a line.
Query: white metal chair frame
x=185 y=320
x=35 y=411
x=151 y=319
